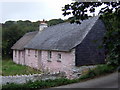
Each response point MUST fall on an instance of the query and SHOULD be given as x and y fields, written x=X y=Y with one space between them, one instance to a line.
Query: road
x=108 y=81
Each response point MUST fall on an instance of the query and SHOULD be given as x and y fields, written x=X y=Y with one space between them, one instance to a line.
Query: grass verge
x=98 y=71
x=10 y=68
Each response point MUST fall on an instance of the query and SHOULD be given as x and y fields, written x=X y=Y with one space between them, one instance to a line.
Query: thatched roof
x=19 y=45
x=62 y=37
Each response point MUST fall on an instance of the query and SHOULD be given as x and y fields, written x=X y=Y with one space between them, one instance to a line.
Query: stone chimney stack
x=93 y=14
x=42 y=25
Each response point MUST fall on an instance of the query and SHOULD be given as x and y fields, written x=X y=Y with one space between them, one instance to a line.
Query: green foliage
x=10 y=68
x=14 y=30
x=54 y=22
x=99 y=70
x=79 y=9
x=38 y=84
x=112 y=38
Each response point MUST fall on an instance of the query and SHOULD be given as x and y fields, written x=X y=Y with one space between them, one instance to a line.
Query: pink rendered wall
x=16 y=57
x=66 y=64
x=19 y=57
x=22 y=57
x=31 y=59
x=40 y=60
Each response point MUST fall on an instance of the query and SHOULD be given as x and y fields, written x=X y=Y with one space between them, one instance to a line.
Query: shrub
x=112 y=38
x=99 y=70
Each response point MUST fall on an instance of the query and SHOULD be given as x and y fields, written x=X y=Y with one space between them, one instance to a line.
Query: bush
x=99 y=70
x=112 y=38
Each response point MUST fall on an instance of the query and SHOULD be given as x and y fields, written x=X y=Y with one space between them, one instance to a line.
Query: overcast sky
x=32 y=10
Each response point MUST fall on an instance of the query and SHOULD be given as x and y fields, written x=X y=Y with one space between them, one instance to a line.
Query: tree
x=112 y=39
x=54 y=22
x=13 y=31
x=10 y=36
x=79 y=9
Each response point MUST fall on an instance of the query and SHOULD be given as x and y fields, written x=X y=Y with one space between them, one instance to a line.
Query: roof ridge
x=88 y=31
x=63 y=36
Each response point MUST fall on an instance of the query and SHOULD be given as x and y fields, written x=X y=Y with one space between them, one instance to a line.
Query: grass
x=10 y=68
x=98 y=71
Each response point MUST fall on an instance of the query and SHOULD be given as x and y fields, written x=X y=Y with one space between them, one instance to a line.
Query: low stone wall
x=20 y=79
x=78 y=71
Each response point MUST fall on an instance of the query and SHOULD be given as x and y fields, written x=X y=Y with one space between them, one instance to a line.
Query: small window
x=49 y=55
x=59 y=57
x=22 y=53
x=35 y=53
x=28 y=52
x=15 y=53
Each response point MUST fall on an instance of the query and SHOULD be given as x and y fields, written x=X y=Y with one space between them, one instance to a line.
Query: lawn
x=10 y=68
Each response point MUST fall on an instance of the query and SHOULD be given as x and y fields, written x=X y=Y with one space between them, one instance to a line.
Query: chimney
x=42 y=25
x=93 y=14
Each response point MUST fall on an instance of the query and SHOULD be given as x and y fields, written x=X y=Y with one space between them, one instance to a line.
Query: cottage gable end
x=91 y=50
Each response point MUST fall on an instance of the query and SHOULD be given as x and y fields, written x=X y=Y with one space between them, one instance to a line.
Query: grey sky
x=33 y=11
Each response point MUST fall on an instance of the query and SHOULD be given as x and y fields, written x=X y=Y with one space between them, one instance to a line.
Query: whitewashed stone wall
x=20 y=79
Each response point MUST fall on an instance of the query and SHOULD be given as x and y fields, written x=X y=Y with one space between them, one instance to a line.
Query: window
x=59 y=57
x=22 y=54
x=49 y=55
x=15 y=53
x=35 y=53
x=28 y=52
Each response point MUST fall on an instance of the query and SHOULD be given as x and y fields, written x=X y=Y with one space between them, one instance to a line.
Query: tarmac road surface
x=111 y=81
x=108 y=81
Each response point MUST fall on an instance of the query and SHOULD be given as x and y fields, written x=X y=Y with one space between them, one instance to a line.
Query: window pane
x=59 y=56
x=49 y=54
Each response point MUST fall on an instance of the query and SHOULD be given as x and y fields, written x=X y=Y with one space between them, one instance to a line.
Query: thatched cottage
x=62 y=48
